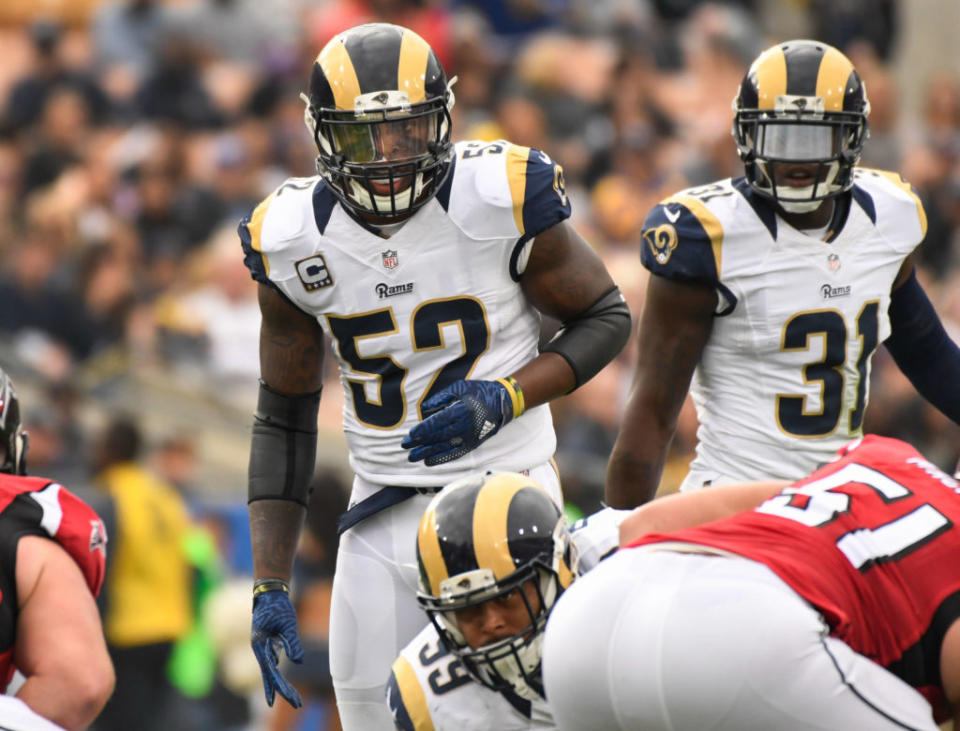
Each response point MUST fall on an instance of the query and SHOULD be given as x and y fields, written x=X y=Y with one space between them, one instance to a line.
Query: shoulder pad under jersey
x=38 y=506
x=892 y=204
x=506 y=190
x=281 y=222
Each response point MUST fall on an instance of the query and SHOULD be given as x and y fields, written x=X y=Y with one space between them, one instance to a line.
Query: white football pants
x=665 y=640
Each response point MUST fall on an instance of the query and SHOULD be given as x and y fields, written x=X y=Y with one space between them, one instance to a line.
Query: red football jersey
x=871 y=541
x=40 y=507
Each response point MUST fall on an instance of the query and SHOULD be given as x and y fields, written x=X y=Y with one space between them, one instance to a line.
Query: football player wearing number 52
x=428 y=264
x=772 y=291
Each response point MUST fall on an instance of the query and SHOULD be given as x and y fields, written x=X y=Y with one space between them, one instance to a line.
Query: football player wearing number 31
x=428 y=264
x=772 y=291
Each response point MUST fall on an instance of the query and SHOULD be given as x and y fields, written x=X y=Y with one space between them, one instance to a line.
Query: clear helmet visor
x=800 y=142
x=389 y=141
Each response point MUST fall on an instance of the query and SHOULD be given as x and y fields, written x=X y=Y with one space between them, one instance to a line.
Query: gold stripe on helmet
x=340 y=73
x=490 y=540
x=414 y=698
x=564 y=575
x=771 y=71
x=412 y=68
x=428 y=545
x=255 y=227
x=835 y=70
x=711 y=224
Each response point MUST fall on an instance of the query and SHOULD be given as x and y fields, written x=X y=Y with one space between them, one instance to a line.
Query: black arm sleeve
x=592 y=339
x=283 y=449
x=922 y=349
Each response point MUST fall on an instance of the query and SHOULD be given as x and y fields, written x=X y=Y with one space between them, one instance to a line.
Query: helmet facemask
x=511 y=663
x=13 y=439
x=494 y=554
x=386 y=157
x=800 y=122
x=797 y=132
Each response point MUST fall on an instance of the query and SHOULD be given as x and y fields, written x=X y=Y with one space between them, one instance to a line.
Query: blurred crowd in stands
x=134 y=135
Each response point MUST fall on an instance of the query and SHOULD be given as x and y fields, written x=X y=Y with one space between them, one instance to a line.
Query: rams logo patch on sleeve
x=662 y=240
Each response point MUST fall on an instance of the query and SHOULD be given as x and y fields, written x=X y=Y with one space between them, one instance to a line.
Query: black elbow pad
x=594 y=338
x=283 y=448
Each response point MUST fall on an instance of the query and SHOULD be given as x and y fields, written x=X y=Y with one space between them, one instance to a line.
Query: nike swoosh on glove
x=460 y=418
x=275 y=625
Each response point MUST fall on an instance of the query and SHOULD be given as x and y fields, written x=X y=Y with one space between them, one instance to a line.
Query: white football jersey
x=783 y=381
x=429 y=690
x=437 y=301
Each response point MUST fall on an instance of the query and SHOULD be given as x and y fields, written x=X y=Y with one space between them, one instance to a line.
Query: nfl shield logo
x=833 y=261
x=389 y=258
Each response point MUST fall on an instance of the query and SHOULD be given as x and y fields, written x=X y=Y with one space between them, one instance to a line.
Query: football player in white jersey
x=428 y=265
x=494 y=553
x=772 y=291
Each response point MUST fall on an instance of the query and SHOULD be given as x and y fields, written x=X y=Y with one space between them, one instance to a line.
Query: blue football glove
x=275 y=625
x=460 y=418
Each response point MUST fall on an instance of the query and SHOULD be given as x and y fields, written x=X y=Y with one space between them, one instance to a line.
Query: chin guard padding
x=283 y=448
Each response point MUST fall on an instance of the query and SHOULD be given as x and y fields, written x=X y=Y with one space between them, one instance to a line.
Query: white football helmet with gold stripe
x=482 y=538
x=800 y=103
x=378 y=109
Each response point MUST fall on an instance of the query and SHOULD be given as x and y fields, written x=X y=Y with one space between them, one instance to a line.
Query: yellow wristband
x=263 y=585
x=516 y=394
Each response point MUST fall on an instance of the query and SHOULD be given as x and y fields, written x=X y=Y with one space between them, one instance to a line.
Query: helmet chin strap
x=794 y=206
x=801 y=200
x=404 y=199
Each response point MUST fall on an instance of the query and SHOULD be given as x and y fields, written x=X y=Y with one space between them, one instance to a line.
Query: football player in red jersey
x=52 y=558
x=831 y=604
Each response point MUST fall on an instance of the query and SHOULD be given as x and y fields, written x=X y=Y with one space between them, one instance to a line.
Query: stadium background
x=135 y=134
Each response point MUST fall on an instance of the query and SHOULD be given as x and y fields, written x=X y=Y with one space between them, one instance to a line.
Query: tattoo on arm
x=275 y=527
x=291 y=345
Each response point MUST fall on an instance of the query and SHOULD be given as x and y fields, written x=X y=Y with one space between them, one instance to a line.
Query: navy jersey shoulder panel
x=675 y=245
x=401 y=718
x=324 y=201
x=729 y=301
x=252 y=258
x=443 y=194
x=515 y=258
x=841 y=212
x=865 y=201
x=545 y=201
x=760 y=206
